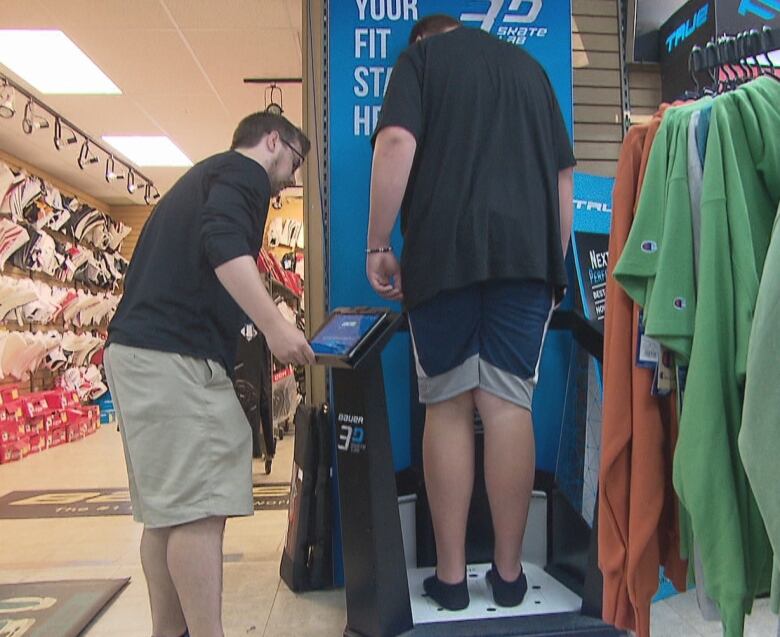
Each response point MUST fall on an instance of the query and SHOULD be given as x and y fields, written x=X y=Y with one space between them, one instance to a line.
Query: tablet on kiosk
x=347 y=333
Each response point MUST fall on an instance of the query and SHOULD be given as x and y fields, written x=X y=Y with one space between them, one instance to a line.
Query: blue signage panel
x=590 y=240
x=365 y=38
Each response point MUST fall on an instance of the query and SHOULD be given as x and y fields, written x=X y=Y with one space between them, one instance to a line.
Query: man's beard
x=277 y=185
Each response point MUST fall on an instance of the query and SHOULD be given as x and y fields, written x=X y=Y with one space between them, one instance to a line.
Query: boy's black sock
x=449 y=596
x=507 y=593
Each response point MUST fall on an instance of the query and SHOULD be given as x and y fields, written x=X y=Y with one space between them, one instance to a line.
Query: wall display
x=365 y=38
x=60 y=285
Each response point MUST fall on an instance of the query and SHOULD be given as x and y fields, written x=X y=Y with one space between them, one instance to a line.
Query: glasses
x=298 y=159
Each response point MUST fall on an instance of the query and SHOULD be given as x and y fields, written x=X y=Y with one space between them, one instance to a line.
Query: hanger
x=695 y=65
x=744 y=52
x=770 y=41
x=732 y=50
x=712 y=64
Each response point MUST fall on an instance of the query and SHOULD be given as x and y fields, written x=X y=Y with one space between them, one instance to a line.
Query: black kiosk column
x=377 y=591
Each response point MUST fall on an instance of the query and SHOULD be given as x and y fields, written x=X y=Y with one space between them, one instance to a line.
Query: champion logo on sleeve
x=680 y=303
x=649 y=246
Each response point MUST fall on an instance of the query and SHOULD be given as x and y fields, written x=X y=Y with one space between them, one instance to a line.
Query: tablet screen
x=342 y=332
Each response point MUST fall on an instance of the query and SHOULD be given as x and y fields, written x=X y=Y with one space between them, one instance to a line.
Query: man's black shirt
x=482 y=197
x=173 y=301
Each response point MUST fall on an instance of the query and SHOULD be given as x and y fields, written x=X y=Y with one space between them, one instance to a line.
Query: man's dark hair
x=254 y=127
x=431 y=25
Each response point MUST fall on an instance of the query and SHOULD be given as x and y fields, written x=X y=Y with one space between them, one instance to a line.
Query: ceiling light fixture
x=70 y=139
x=31 y=121
x=50 y=61
x=111 y=174
x=275 y=108
x=149 y=150
x=86 y=156
x=7 y=94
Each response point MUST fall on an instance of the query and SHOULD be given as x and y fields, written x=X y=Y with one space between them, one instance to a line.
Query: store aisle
x=256 y=602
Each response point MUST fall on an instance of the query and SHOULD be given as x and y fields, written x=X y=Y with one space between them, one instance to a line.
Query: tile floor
x=256 y=602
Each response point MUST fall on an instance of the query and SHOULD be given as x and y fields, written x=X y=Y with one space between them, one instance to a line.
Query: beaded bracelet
x=379 y=250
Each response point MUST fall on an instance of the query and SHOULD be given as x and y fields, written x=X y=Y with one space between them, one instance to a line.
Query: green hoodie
x=740 y=193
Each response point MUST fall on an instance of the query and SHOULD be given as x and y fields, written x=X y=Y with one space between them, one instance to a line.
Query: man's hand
x=289 y=344
x=384 y=275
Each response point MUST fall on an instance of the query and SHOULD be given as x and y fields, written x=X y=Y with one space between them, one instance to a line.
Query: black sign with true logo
x=698 y=22
x=735 y=16
x=694 y=24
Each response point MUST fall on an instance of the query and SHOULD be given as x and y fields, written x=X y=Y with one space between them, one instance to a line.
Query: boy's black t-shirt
x=482 y=197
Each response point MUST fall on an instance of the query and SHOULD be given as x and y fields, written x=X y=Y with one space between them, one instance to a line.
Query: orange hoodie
x=638 y=527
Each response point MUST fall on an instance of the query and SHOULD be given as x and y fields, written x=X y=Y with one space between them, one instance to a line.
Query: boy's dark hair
x=431 y=25
x=254 y=127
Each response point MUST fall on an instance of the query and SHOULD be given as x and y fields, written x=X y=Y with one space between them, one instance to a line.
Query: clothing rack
x=737 y=56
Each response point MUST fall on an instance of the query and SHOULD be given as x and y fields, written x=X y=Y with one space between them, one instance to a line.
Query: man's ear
x=271 y=141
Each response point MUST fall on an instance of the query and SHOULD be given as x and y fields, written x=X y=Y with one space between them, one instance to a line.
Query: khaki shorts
x=188 y=445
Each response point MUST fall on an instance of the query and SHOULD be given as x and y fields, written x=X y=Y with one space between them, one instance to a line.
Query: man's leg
x=167 y=616
x=448 y=457
x=195 y=564
x=509 y=476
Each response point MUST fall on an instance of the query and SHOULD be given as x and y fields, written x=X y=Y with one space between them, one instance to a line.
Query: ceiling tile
x=252 y=54
x=294 y=10
x=182 y=118
x=143 y=62
x=229 y=14
x=26 y=14
x=108 y=14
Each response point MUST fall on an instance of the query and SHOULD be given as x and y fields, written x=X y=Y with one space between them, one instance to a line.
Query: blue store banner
x=590 y=240
x=365 y=38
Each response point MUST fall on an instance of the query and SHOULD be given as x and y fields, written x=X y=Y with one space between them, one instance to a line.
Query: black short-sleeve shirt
x=173 y=301
x=482 y=197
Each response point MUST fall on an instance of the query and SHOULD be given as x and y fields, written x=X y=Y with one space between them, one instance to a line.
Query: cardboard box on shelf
x=58 y=436
x=9 y=393
x=37 y=443
x=11 y=428
x=24 y=445
x=73 y=432
x=10 y=452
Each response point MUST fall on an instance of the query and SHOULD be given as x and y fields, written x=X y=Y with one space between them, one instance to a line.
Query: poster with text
x=365 y=38
x=590 y=240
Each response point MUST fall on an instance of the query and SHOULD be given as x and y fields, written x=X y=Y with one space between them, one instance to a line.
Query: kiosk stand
x=376 y=581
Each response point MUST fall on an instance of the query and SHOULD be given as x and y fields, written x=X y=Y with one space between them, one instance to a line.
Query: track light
x=70 y=139
x=275 y=108
x=150 y=193
x=7 y=94
x=131 y=185
x=31 y=121
x=111 y=174
x=67 y=133
x=86 y=156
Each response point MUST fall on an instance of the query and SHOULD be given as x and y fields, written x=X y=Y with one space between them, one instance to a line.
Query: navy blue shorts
x=487 y=335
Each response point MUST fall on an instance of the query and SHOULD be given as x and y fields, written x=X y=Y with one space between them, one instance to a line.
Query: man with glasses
x=170 y=358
